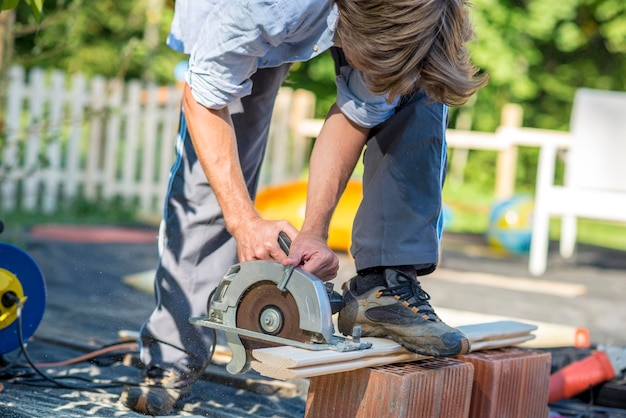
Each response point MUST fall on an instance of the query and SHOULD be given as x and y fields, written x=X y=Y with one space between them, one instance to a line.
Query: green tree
x=105 y=37
x=538 y=52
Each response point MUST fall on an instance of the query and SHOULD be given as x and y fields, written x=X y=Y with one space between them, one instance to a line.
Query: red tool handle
x=576 y=377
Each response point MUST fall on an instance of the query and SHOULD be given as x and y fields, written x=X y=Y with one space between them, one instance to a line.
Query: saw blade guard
x=308 y=291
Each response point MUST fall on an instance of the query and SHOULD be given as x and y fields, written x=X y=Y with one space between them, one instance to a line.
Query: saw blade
x=266 y=309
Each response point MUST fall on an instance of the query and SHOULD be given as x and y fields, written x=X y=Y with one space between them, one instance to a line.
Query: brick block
x=509 y=383
x=430 y=388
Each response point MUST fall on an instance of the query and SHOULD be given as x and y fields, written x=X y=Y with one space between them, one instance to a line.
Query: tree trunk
x=154 y=9
x=7 y=18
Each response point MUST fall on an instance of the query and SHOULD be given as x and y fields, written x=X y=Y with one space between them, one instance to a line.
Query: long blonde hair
x=401 y=45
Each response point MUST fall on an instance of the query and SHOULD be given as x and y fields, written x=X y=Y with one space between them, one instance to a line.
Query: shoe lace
x=411 y=295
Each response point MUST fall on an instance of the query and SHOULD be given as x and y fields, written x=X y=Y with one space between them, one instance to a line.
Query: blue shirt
x=229 y=39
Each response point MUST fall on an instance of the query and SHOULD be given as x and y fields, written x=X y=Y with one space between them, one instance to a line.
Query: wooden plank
x=547 y=334
x=171 y=120
x=115 y=89
x=291 y=362
x=281 y=373
x=302 y=107
x=52 y=178
x=127 y=184
x=73 y=172
x=500 y=343
x=9 y=160
x=518 y=284
x=95 y=145
x=297 y=357
x=149 y=119
x=499 y=330
x=317 y=368
x=35 y=143
x=277 y=154
x=475 y=140
x=506 y=163
x=292 y=357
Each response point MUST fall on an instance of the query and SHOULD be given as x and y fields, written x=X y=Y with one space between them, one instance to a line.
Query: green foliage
x=8 y=4
x=104 y=37
x=538 y=52
x=36 y=7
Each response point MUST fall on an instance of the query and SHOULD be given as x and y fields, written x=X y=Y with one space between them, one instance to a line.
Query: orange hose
x=89 y=356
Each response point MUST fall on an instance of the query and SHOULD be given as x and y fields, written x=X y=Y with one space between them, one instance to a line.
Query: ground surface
x=89 y=303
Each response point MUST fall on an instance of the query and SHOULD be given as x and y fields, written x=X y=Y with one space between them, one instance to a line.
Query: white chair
x=595 y=173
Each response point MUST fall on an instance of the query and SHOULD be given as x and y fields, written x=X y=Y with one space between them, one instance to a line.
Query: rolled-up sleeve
x=227 y=52
x=214 y=87
x=357 y=103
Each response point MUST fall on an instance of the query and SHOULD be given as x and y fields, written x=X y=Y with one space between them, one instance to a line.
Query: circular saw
x=263 y=303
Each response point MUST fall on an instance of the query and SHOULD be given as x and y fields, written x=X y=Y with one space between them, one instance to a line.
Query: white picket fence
x=100 y=138
x=65 y=137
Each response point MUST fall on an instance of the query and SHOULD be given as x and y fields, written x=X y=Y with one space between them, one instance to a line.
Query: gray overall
x=398 y=222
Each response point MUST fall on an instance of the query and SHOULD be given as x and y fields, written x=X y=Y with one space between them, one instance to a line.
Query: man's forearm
x=335 y=154
x=213 y=137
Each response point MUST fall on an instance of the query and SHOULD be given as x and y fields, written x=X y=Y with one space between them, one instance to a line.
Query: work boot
x=391 y=303
x=161 y=391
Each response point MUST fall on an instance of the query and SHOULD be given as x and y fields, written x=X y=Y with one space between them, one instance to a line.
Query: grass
x=80 y=211
x=469 y=206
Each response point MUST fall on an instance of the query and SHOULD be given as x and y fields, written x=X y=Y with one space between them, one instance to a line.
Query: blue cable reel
x=21 y=284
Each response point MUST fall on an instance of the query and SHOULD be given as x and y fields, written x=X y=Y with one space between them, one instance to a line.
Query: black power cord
x=55 y=381
x=24 y=377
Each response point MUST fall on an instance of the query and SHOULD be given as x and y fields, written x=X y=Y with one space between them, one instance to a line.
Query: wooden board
x=548 y=334
x=289 y=362
x=498 y=330
x=282 y=373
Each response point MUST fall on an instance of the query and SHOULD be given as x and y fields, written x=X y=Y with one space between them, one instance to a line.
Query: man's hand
x=258 y=239
x=313 y=254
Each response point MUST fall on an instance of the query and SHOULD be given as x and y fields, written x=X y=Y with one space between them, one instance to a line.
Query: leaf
x=8 y=4
x=36 y=7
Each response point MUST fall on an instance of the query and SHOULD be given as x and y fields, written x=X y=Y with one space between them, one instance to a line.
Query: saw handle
x=335 y=298
x=284 y=241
